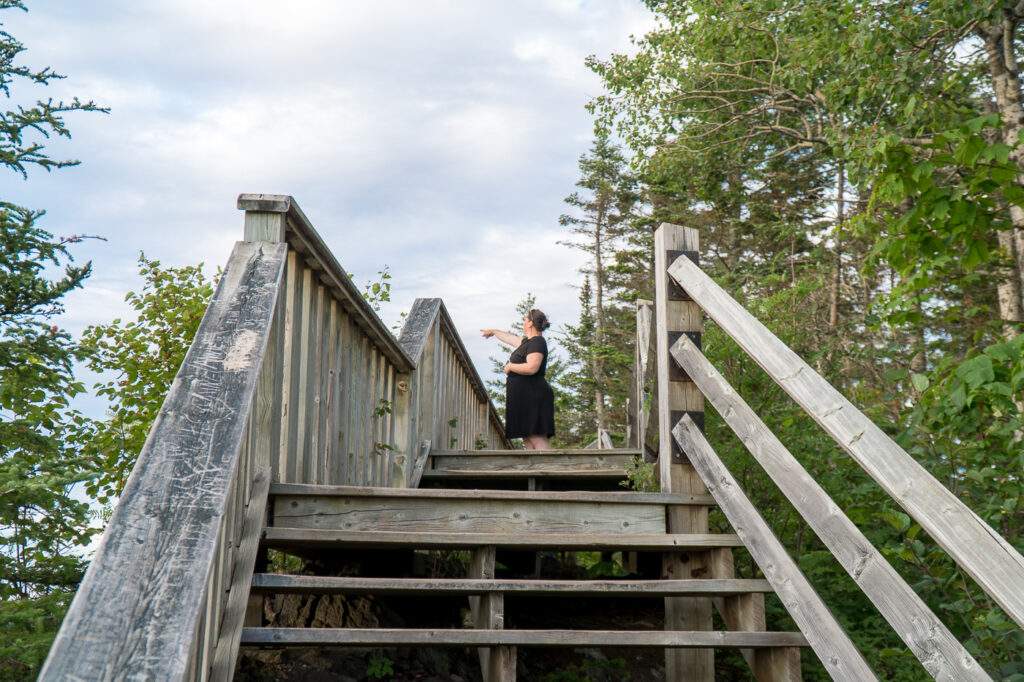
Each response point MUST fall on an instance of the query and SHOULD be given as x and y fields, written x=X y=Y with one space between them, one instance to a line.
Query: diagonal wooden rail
x=935 y=646
x=982 y=553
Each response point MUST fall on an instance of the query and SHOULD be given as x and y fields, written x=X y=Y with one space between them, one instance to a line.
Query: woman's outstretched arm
x=504 y=337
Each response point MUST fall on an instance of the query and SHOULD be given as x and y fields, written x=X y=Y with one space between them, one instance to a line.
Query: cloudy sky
x=437 y=137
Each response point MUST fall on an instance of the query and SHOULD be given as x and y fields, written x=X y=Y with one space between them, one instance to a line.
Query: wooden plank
x=514 y=495
x=290 y=371
x=824 y=634
x=679 y=316
x=306 y=381
x=932 y=643
x=645 y=376
x=585 y=455
x=419 y=464
x=279 y=538
x=334 y=465
x=276 y=583
x=498 y=664
x=158 y=551
x=985 y=555
x=528 y=638
x=481 y=515
x=264 y=227
x=241 y=578
x=531 y=463
x=519 y=474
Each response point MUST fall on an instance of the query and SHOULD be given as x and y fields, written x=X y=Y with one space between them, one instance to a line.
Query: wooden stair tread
x=275 y=583
x=278 y=537
x=526 y=638
x=586 y=496
x=518 y=473
x=627 y=452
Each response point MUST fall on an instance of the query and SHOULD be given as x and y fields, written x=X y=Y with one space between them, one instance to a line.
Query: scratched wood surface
x=149 y=605
x=985 y=555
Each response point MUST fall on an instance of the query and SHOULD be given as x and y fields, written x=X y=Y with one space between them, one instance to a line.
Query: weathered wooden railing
x=291 y=377
x=975 y=546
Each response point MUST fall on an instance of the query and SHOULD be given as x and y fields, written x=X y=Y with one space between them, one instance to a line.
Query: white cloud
x=438 y=137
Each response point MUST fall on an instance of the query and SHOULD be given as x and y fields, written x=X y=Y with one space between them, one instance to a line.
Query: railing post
x=676 y=314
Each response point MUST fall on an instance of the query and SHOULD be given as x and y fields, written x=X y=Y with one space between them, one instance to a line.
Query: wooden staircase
x=299 y=423
x=355 y=521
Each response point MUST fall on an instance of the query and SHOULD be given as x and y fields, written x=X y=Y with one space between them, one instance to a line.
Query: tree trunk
x=1006 y=86
x=597 y=364
x=837 y=274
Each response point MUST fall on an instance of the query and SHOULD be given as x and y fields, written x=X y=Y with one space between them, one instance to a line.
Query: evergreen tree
x=43 y=527
x=604 y=210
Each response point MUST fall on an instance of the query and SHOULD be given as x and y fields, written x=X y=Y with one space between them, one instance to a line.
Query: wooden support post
x=498 y=664
x=676 y=314
x=401 y=416
x=745 y=613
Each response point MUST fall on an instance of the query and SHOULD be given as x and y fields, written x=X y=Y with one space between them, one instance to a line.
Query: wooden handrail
x=446 y=385
x=150 y=604
x=939 y=651
x=985 y=555
x=300 y=234
x=832 y=645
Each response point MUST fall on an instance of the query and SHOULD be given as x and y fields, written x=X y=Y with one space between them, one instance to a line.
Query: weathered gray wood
x=986 y=556
x=676 y=476
x=531 y=463
x=241 y=578
x=427 y=330
x=264 y=227
x=160 y=546
x=644 y=377
x=276 y=583
x=584 y=455
x=498 y=664
x=304 y=238
x=518 y=474
x=419 y=465
x=587 y=496
x=467 y=515
x=824 y=634
x=935 y=646
x=278 y=538
x=527 y=638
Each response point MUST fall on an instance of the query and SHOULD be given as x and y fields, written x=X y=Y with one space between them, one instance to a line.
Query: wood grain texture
x=586 y=455
x=824 y=634
x=276 y=583
x=671 y=316
x=624 y=497
x=530 y=638
x=985 y=555
x=241 y=578
x=138 y=610
x=932 y=643
x=277 y=538
x=466 y=515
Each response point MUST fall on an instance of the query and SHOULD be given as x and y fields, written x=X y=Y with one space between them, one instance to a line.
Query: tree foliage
x=142 y=356
x=854 y=170
x=43 y=522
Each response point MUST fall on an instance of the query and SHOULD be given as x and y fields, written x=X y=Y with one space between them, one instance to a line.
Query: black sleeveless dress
x=529 y=400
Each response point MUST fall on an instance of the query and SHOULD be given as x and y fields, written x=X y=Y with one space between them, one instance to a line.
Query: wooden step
x=275 y=583
x=348 y=508
x=518 y=474
x=285 y=637
x=286 y=538
x=531 y=462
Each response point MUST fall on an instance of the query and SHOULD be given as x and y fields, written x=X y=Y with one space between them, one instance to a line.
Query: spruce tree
x=43 y=525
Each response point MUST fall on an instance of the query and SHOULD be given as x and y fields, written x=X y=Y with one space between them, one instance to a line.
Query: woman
x=529 y=400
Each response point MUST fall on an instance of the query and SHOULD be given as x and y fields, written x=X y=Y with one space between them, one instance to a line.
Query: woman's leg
x=537 y=442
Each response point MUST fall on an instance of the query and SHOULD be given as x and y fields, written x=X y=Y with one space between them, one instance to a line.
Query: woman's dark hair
x=539 y=319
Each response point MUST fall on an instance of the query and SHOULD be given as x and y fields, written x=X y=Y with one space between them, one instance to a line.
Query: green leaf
x=919 y=382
